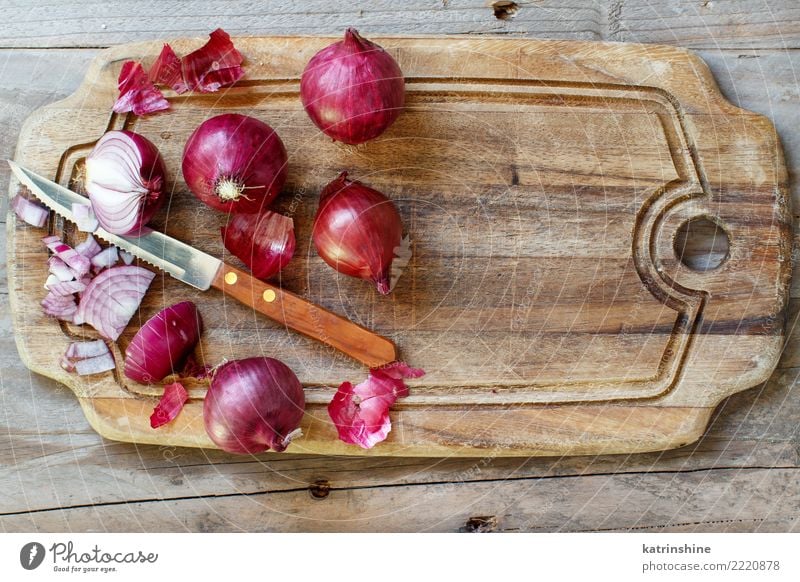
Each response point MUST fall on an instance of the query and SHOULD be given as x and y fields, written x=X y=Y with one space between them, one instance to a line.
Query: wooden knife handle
x=303 y=316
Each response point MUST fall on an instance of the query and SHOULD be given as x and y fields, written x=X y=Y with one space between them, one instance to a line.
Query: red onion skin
x=162 y=344
x=152 y=176
x=356 y=230
x=264 y=242
x=352 y=90
x=235 y=163
x=253 y=405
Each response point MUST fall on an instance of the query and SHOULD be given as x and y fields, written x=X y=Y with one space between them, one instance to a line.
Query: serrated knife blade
x=203 y=271
x=180 y=260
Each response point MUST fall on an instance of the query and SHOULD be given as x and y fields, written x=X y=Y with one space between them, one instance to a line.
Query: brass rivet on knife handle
x=305 y=317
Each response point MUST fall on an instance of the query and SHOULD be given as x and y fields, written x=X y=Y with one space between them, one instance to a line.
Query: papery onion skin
x=264 y=242
x=162 y=344
x=356 y=231
x=125 y=180
x=235 y=163
x=253 y=405
x=352 y=90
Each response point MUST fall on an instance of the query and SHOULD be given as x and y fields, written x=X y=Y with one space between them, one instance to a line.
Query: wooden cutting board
x=545 y=186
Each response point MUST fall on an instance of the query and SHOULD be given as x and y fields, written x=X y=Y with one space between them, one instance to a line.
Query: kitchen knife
x=203 y=271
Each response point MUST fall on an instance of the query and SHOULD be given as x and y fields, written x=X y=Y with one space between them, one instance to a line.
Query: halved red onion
x=29 y=211
x=162 y=344
x=111 y=299
x=353 y=89
x=84 y=217
x=264 y=242
x=235 y=163
x=136 y=92
x=125 y=181
x=170 y=405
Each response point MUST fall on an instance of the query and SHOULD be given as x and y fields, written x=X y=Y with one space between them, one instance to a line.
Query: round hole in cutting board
x=701 y=244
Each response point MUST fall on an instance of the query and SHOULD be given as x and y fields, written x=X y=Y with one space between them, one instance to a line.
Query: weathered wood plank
x=743 y=23
x=707 y=500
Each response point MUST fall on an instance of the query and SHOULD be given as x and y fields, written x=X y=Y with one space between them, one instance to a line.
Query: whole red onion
x=253 y=405
x=235 y=163
x=352 y=90
x=358 y=231
x=162 y=344
x=124 y=181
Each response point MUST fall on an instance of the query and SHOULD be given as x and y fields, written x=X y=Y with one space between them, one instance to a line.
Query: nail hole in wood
x=481 y=524
x=319 y=489
x=701 y=244
x=504 y=10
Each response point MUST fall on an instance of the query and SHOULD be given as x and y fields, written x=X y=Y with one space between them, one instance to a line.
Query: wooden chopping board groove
x=542 y=183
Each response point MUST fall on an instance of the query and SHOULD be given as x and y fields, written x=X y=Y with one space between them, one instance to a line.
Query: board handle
x=305 y=317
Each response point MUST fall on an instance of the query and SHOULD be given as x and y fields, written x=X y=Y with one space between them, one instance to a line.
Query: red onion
x=160 y=347
x=265 y=242
x=352 y=90
x=111 y=299
x=358 y=232
x=235 y=163
x=105 y=258
x=60 y=269
x=125 y=181
x=29 y=211
x=253 y=405
x=88 y=248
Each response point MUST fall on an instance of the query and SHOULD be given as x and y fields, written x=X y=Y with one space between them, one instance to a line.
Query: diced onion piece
x=95 y=365
x=31 y=212
x=84 y=217
x=63 y=308
x=90 y=349
x=89 y=248
x=60 y=269
x=111 y=299
x=126 y=257
x=77 y=262
x=105 y=258
x=65 y=288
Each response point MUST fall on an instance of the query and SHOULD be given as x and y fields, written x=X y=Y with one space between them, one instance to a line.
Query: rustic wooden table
x=56 y=474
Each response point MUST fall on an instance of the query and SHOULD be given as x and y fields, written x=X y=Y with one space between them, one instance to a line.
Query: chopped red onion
x=66 y=364
x=89 y=248
x=90 y=349
x=95 y=365
x=31 y=212
x=60 y=307
x=65 y=288
x=111 y=299
x=105 y=258
x=50 y=281
x=77 y=262
x=49 y=239
x=84 y=217
x=60 y=269
x=126 y=257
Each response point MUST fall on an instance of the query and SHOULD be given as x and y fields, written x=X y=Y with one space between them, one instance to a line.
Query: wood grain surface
x=542 y=184
x=58 y=475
